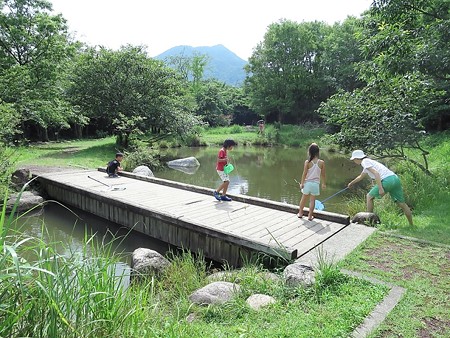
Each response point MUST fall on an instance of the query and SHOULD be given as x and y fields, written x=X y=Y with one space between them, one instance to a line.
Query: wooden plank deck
x=190 y=217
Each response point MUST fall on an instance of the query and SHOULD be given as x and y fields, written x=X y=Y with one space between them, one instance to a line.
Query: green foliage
x=214 y=102
x=34 y=50
x=298 y=65
x=382 y=118
x=9 y=120
x=408 y=36
x=141 y=156
x=128 y=90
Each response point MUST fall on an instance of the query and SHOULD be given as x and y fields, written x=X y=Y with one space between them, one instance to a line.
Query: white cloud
x=237 y=24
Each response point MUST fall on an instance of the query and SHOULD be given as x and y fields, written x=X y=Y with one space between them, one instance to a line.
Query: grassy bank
x=287 y=135
x=420 y=268
x=45 y=294
x=90 y=153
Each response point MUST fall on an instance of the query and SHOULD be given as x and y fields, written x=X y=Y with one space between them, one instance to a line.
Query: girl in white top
x=313 y=172
x=386 y=182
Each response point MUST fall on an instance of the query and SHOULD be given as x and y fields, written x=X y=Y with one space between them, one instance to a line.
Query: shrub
x=142 y=156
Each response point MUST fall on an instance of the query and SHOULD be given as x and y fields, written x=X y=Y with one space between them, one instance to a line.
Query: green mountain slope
x=223 y=64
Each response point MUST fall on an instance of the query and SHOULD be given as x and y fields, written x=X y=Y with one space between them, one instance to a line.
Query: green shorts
x=391 y=185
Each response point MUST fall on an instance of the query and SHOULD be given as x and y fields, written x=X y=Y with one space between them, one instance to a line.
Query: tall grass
x=81 y=294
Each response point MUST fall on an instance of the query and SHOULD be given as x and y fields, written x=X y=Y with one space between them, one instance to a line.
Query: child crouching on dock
x=222 y=160
x=113 y=166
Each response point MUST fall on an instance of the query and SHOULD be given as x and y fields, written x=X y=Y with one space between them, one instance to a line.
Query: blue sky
x=237 y=24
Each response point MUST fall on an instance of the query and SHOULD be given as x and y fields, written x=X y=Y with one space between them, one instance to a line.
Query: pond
x=266 y=173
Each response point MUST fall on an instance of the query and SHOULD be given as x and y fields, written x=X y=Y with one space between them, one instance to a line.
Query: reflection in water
x=68 y=231
x=186 y=170
x=266 y=173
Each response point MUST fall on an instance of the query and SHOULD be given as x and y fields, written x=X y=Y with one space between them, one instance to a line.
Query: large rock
x=21 y=176
x=299 y=274
x=143 y=170
x=188 y=162
x=147 y=262
x=28 y=200
x=258 y=301
x=214 y=293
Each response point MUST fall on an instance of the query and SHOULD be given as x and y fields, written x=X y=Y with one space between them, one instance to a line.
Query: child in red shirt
x=222 y=160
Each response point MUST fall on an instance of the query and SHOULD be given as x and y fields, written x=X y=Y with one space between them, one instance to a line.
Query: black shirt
x=112 y=167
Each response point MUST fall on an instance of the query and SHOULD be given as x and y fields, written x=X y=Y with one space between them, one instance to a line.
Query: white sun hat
x=357 y=154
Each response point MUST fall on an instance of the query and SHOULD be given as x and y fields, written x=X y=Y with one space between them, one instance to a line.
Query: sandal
x=299 y=216
x=310 y=219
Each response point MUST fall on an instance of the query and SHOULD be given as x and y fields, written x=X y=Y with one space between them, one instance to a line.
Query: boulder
x=366 y=218
x=28 y=200
x=214 y=293
x=143 y=170
x=299 y=274
x=147 y=262
x=21 y=176
x=258 y=301
x=188 y=162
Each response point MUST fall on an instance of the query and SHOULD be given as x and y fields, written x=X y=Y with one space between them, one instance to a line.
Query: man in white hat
x=386 y=182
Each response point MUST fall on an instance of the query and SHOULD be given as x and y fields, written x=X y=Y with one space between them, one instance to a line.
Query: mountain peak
x=224 y=65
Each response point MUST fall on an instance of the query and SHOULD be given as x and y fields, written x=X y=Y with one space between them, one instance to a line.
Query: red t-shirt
x=220 y=164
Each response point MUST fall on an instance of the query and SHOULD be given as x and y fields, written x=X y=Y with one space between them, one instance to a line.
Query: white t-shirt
x=381 y=169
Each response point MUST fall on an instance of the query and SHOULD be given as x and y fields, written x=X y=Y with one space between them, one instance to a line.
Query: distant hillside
x=223 y=64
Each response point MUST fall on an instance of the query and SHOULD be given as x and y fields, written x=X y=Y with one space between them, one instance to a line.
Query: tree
x=382 y=117
x=341 y=55
x=285 y=78
x=34 y=49
x=214 y=104
x=9 y=120
x=126 y=91
x=407 y=36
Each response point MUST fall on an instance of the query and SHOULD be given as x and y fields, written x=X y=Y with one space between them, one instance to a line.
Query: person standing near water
x=313 y=173
x=386 y=182
x=222 y=160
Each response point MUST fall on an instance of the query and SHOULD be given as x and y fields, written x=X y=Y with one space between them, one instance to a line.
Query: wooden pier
x=188 y=216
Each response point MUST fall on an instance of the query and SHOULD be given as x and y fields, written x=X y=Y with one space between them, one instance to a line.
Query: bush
x=236 y=129
x=194 y=140
x=142 y=156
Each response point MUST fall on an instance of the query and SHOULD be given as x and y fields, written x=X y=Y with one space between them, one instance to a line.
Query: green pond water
x=266 y=173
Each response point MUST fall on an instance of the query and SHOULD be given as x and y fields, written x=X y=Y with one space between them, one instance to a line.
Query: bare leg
x=312 y=202
x=407 y=211
x=225 y=187
x=302 y=205
x=369 y=203
x=222 y=186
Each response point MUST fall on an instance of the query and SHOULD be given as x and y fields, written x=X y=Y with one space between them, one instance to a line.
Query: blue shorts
x=311 y=188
